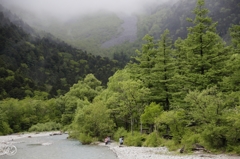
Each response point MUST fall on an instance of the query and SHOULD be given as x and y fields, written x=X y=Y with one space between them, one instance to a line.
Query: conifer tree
x=204 y=52
x=154 y=67
x=200 y=58
x=163 y=71
x=231 y=81
x=204 y=49
x=146 y=61
x=180 y=83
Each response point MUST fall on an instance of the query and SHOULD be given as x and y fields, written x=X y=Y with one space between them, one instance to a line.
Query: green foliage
x=5 y=128
x=170 y=144
x=174 y=17
x=233 y=149
x=119 y=132
x=190 y=138
x=155 y=68
x=232 y=132
x=234 y=32
x=20 y=115
x=85 y=139
x=94 y=120
x=209 y=104
x=79 y=95
x=31 y=64
x=49 y=126
x=134 y=139
x=215 y=136
x=176 y=121
x=152 y=140
x=150 y=113
x=126 y=103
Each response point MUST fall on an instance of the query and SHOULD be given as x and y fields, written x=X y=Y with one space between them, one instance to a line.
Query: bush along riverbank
x=152 y=146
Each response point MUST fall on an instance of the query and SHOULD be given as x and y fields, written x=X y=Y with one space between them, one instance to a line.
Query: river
x=58 y=147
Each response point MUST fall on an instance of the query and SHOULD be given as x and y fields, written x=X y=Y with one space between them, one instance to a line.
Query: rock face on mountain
x=128 y=31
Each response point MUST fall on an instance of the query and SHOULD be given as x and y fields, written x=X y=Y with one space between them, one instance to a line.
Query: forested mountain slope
x=89 y=32
x=29 y=63
x=173 y=17
x=85 y=31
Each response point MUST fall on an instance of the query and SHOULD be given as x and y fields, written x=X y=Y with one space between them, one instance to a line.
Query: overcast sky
x=72 y=7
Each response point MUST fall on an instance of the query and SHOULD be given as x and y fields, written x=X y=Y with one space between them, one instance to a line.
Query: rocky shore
x=129 y=152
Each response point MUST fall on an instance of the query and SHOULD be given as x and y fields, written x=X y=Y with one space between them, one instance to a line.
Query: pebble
x=130 y=152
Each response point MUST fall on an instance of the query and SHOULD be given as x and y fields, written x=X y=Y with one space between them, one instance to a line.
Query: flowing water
x=58 y=147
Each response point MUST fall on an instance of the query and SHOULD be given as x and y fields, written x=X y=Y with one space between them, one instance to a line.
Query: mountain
x=107 y=33
x=173 y=17
x=40 y=60
x=85 y=31
x=30 y=62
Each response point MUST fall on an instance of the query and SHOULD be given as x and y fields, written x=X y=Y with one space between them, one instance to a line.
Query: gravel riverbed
x=129 y=152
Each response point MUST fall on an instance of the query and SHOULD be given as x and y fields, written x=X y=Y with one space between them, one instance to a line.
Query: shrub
x=49 y=126
x=189 y=139
x=152 y=140
x=85 y=139
x=170 y=144
x=5 y=128
x=214 y=136
x=135 y=139
x=120 y=132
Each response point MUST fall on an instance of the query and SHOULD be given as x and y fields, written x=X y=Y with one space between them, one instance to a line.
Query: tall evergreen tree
x=146 y=61
x=204 y=49
x=235 y=34
x=155 y=68
x=204 y=52
x=163 y=71
x=231 y=82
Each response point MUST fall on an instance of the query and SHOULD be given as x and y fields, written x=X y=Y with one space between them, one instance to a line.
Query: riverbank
x=129 y=152
x=14 y=137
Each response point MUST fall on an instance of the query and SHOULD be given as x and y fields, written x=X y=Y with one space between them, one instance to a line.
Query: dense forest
x=30 y=62
x=178 y=93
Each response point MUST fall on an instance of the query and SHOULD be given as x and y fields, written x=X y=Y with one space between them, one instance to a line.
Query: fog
x=68 y=8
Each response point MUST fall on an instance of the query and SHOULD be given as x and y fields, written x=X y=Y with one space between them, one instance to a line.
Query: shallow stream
x=58 y=147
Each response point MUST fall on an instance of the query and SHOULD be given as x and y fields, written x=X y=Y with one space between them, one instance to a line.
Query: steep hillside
x=109 y=34
x=173 y=17
x=84 y=31
x=29 y=63
x=224 y=12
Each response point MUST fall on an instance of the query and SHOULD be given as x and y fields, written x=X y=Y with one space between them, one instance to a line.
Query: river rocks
x=129 y=152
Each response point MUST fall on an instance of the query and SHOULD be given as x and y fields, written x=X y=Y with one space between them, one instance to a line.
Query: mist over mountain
x=128 y=31
x=106 y=28
x=93 y=26
x=66 y=9
x=31 y=63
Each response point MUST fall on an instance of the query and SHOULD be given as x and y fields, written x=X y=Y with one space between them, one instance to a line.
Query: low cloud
x=66 y=8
